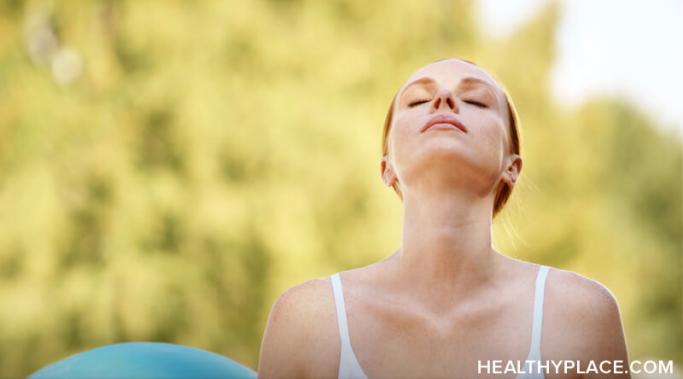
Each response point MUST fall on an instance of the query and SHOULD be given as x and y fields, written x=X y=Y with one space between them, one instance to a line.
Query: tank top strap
x=341 y=310
x=537 y=323
x=349 y=367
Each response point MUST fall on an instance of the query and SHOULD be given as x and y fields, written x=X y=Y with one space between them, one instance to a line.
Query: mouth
x=444 y=122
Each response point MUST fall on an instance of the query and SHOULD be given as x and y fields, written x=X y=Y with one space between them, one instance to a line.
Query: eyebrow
x=466 y=81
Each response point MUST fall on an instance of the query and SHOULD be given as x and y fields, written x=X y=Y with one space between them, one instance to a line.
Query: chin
x=451 y=164
x=450 y=152
x=439 y=162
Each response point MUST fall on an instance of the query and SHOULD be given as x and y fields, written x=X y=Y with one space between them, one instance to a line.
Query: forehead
x=449 y=72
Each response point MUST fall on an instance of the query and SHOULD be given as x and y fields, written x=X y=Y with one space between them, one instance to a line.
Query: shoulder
x=302 y=300
x=300 y=322
x=583 y=297
x=584 y=314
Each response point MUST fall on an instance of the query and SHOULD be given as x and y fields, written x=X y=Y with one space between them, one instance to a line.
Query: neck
x=446 y=250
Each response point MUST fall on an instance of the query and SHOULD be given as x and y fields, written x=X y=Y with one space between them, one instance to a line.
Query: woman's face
x=468 y=144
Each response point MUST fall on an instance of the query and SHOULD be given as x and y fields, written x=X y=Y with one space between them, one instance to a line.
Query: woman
x=446 y=302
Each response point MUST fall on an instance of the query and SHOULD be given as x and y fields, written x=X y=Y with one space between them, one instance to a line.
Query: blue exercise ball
x=144 y=360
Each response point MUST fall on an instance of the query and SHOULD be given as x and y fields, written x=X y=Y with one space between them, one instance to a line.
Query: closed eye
x=417 y=102
x=476 y=103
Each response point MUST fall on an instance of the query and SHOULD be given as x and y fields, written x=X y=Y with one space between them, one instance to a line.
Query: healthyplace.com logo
x=573 y=366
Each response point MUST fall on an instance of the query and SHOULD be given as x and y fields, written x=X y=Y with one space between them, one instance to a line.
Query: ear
x=388 y=175
x=512 y=170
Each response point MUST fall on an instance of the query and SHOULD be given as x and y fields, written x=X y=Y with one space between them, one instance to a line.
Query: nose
x=444 y=97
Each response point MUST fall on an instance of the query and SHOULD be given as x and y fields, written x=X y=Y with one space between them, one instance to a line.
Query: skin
x=446 y=298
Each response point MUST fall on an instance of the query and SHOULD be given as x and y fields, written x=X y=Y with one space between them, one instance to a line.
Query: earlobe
x=387 y=173
x=514 y=168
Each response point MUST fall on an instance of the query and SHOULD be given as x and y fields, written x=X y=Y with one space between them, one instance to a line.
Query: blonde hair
x=505 y=191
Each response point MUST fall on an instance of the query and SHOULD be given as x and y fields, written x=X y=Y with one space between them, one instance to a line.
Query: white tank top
x=349 y=368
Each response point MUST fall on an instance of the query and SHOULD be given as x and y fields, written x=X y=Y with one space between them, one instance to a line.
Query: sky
x=632 y=48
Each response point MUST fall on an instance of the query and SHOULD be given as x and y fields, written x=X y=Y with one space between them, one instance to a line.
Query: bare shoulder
x=584 y=295
x=303 y=300
x=300 y=322
x=584 y=314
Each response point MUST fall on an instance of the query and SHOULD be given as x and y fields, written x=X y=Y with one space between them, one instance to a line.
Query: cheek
x=491 y=140
x=491 y=136
x=403 y=136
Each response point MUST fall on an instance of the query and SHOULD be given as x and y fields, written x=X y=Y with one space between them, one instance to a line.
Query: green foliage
x=205 y=156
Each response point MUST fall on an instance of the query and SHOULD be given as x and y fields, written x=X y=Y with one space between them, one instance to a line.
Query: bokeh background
x=168 y=168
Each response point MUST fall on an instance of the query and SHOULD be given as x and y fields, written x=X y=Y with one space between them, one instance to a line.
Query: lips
x=444 y=119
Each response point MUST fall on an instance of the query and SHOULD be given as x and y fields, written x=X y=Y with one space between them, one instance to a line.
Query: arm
x=602 y=330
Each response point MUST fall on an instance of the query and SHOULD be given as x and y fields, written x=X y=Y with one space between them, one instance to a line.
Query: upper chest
x=395 y=339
